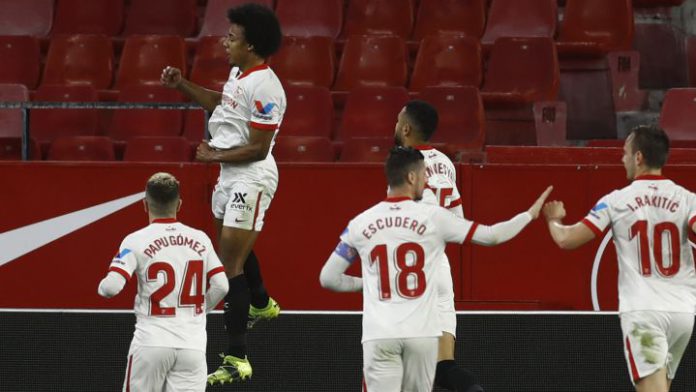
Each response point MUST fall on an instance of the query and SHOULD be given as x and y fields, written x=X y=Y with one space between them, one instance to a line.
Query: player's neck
x=400 y=192
x=154 y=218
x=415 y=143
x=646 y=171
x=251 y=63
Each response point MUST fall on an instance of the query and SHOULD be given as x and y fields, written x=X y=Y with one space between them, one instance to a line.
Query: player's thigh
x=148 y=367
x=189 y=372
x=646 y=348
x=420 y=362
x=382 y=365
x=680 y=329
x=245 y=205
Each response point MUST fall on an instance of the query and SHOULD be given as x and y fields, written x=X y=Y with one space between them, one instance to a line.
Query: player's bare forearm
x=208 y=99
x=569 y=237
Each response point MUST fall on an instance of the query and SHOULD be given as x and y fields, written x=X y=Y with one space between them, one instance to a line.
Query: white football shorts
x=242 y=205
x=399 y=365
x=165 y=369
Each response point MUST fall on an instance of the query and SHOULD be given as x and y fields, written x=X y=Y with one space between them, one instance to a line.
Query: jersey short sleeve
x=125 y=262
x=598 y=218
x=266 y=106
x=451 y=227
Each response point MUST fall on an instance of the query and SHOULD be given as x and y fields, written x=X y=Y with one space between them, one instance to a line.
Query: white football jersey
x=173 y=263
x=650 y=222
x=442 y=181
x=400 y=243
x=254 y=98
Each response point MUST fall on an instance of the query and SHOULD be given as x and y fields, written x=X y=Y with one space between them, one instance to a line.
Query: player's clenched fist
x=536 y=207
x=171 y=77
x=554 y=210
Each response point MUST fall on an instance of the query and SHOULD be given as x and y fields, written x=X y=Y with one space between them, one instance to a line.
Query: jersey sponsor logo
x=123 y=253
x=239 y=197
x=237 y=220
x=14 y=244
x=264 y=109
x=599 y=207
x=227 y=101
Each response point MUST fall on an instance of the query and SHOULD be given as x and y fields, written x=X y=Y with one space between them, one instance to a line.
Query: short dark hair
x=400 y=162
x=653 y=143
x=261 y=27
x=162 y=194
x=423 y=116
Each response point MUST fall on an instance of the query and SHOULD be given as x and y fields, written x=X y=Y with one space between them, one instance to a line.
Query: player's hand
x=204 y=152
x=554 y=210
x=171 y=77
x=536 y=207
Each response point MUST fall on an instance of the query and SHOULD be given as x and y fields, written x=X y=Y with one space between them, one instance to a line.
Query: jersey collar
x=397 y=199
x=650 y=177
x=424 y=147
x=252 y=70
x=164 y=220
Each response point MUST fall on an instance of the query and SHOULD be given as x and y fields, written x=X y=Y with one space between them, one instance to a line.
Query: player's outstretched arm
x=333 y=276
x=505 y=231
x=171 y=77
x=566 y=237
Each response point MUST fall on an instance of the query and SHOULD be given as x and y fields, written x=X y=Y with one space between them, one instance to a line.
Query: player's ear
x=145 y=207
x=412 y=177
x=639 y=158
x=178 y=207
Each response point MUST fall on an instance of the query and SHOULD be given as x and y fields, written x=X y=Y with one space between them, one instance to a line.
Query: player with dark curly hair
x=246 y=117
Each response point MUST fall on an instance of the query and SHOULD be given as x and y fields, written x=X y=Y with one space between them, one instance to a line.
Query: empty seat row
x=598 y=22
x=369 y=112
x=443 y=60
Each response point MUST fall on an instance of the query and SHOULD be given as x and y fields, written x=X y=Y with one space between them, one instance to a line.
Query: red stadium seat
x=366 y=17
x=80 y=59
x=462 y=120
x=211 y=66
x=194 y=126
x=305 y=60
x=447 y=60
x=371 y=112
x=303 y=149
x=11 y=122
x=48 y=124
x=595 y=27
x=89 y=17
x=307 y=18
x=158 y=149
x=372 y=61
x=657 y=3
x=26 y=17
x=215 y=20
x=82 y=148
x=656 y=42
x=167 y=17
x=144 y=57
x=127 y=123
x=366 y=150
x=520 y=18
x=678 y=115
x=20 y=60
x=309 y=113
x=11 y=149
x=461 y=16
x=522 y=70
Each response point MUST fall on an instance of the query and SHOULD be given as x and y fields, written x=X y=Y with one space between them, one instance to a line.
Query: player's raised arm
x=209 y=99
x=565 y=236
x=505 y=231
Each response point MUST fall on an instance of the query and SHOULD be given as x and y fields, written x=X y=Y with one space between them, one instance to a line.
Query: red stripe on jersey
x=121 y=271
x=470 y=234
x=364 y=385
x=651 y=177
x=455 y=203
x=256 y=210
x=263 y=127
x=252 y=70
x=632 y=362
x=424 y=147
x=128 y=374
x=397 y=199
x=592 y=227
x=164 y=220
x=692 y=220
x=215 y=271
